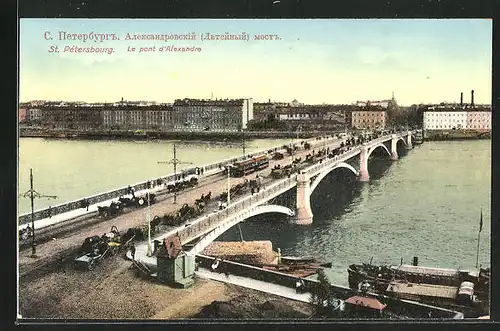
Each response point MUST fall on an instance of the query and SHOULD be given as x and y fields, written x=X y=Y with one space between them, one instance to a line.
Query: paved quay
x=282 y=291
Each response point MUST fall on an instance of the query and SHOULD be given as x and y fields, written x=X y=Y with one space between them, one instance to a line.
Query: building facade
x=72 y=118
x=445 y=119
x=156 y=117
x=479 y=120
x=369 y=118
x=314 y=117
x=34 y=115
x=212 y=115
x=459 y=118
x=22 y=115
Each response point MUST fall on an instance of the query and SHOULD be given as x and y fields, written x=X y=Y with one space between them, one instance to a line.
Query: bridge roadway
x=42 y=220
x=208 y=227
x=66 y=245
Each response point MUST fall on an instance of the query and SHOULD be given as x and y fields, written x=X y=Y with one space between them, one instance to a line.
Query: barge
x=463 y=290
x=418 y=274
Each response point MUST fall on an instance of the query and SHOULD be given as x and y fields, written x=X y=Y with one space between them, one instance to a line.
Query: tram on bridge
x=243 y=168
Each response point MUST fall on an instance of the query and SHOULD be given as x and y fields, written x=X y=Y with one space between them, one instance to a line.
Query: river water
x=426 y=204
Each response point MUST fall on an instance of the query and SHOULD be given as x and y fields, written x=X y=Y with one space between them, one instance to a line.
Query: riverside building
x=461 y=116
x=369 y=117
x=212 y=115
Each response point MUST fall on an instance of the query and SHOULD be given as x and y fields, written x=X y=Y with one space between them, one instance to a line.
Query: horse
x=126 y=201
x=26 y=233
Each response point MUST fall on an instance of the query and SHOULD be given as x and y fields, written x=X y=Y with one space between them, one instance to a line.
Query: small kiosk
x=175 y=267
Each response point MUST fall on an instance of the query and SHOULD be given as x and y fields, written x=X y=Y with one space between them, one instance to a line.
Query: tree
x=321 y=294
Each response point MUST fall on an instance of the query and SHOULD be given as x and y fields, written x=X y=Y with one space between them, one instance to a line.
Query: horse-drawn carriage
x=116 y=207
x=278 y=156
x=25 y=233
x=113 y=209
x=185 y=213
x=203 y=201
x=240 y=188
x=96 y=248
x=279 y=172
x=187 y=182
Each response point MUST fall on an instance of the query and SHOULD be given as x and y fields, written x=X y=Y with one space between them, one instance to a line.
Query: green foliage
x=321 y=293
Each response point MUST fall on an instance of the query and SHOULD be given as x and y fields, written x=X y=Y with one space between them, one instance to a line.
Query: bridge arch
x=377 y=146
x=215 y=233
x=403 y=140
x=325 y=173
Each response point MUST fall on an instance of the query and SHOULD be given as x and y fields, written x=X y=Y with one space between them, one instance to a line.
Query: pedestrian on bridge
x=132 y=251
x=300 y=286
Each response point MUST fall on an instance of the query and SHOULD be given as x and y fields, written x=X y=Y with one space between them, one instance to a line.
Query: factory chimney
x=461 y=98
x=472 y=98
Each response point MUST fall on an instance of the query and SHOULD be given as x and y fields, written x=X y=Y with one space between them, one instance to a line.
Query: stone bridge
x=308 y=180
x=205 y=229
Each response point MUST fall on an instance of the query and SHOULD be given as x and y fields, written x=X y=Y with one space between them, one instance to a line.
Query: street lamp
x=243 y=145
x=32 y=194
x=148 y=218
x=175 y=162
x=228 y=184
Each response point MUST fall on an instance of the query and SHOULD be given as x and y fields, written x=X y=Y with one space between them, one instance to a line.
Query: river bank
x=114 y=291
x=28 y=132
x=445 y=135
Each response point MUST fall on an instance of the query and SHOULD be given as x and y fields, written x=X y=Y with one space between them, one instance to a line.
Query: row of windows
x=457 y=114
x=368 y=120
x=469 y=120
x=303 y=115
x=365 y=115
x=445 y=114
x=458 y=127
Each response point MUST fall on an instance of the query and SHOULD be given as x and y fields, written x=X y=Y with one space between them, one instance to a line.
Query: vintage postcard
x=175 y=169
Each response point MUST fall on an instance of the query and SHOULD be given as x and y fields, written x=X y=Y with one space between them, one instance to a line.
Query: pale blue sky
x=316 y=61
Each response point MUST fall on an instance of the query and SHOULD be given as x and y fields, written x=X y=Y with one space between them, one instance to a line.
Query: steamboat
x=460 y=289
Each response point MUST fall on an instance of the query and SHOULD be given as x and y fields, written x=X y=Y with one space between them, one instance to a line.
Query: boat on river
x=465 y=290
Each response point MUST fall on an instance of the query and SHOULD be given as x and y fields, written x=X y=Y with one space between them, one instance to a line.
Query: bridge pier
x=394 y=150
x=304 y=215
x=364 y=176
x=409 y=144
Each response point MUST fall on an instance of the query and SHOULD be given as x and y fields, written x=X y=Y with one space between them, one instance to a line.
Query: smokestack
x=461 y=98
x=472 y=98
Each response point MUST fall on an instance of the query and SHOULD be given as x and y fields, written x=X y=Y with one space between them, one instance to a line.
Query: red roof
x=366 y=302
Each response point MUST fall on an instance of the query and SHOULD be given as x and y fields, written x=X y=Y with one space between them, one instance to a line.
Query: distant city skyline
x=315 y=62
x=254 y=101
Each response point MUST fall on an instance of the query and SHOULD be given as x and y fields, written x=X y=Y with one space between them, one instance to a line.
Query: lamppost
x=175 y=162
x=228 y=184
x=32 y=194
x=148 y=218
x=243 y=146
x=345 y=121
